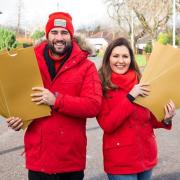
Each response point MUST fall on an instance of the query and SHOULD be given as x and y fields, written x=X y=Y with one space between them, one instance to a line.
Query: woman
x=129 y=145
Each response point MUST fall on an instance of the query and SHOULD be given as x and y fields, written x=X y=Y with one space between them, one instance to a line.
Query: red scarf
x=125 y=81
x=56 y=60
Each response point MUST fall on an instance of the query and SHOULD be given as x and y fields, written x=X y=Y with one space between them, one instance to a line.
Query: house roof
x=100 y=41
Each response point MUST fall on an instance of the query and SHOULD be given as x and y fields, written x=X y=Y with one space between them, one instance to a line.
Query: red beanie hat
x=60 y=19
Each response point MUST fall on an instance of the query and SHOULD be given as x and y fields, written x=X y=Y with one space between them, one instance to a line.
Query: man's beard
x=67 y=48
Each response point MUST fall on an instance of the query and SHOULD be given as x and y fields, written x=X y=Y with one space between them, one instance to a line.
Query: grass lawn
x=141 y=60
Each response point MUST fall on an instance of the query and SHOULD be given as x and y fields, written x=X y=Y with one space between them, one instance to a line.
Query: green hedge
x=8 y=39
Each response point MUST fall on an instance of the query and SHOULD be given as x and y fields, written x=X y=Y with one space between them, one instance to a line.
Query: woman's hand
x=170 y=110
x=15 y=123
x=43 y=96
x=139 y=90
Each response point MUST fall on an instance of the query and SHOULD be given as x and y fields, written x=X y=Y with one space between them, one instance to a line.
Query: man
x=55 y=146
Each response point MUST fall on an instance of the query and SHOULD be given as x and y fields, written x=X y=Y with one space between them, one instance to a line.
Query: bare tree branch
x=151 y=16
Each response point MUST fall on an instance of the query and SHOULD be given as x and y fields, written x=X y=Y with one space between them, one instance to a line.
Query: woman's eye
x=115 y=56
x=125 y=56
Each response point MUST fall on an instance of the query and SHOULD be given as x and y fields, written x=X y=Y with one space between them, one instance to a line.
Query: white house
x=98 y=43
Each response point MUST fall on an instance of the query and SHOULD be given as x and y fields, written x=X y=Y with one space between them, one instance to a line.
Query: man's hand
x=43 y=96
x=15 y=123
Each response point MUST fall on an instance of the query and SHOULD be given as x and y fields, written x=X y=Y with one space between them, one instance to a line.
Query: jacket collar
x=77 y=56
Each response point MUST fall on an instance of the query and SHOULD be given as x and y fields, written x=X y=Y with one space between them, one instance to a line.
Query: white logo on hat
x=60 y=22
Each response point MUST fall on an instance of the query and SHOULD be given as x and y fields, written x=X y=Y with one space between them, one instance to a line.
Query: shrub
x=38 y=35
x=164 y=38
x=8 y=39
x=148 y=47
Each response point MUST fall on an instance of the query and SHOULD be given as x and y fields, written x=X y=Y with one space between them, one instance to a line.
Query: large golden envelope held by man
x=19 y=72
x=163 y=75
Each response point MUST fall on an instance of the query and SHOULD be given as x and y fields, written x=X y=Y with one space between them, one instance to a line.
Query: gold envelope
x=161 y=59
x=18 y=74
x=163 y=75
x=3 y=109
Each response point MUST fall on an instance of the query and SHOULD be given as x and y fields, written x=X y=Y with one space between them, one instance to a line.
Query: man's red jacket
x=57 y=143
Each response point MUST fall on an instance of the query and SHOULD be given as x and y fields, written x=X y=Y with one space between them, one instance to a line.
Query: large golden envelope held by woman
x=163 y=75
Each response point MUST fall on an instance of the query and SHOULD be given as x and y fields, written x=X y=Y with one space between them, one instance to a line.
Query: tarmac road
x=12 y=160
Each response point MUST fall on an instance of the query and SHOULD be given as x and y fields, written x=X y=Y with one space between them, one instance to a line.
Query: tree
x=178 y=5
x=38 y=35
x=151 y=16
x=7 y=40
x=117 y=12
x=122 y=14
x=89 y=31
x=148 y=47
x=164 y=38
x=19 y=15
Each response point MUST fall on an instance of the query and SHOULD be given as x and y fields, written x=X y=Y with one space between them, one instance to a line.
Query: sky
x=35 y=12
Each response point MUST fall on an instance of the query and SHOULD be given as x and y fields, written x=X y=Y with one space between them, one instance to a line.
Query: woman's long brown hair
x=105 y=70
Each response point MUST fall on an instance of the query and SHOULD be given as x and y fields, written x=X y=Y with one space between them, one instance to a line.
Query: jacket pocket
x=120 y=153
x=117 y=143
x=33 y=143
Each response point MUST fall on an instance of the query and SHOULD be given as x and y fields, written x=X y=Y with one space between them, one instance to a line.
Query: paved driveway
x=12 y=160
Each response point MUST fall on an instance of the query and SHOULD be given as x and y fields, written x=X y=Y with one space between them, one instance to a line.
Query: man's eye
x=64 y=32
x=53 y=32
